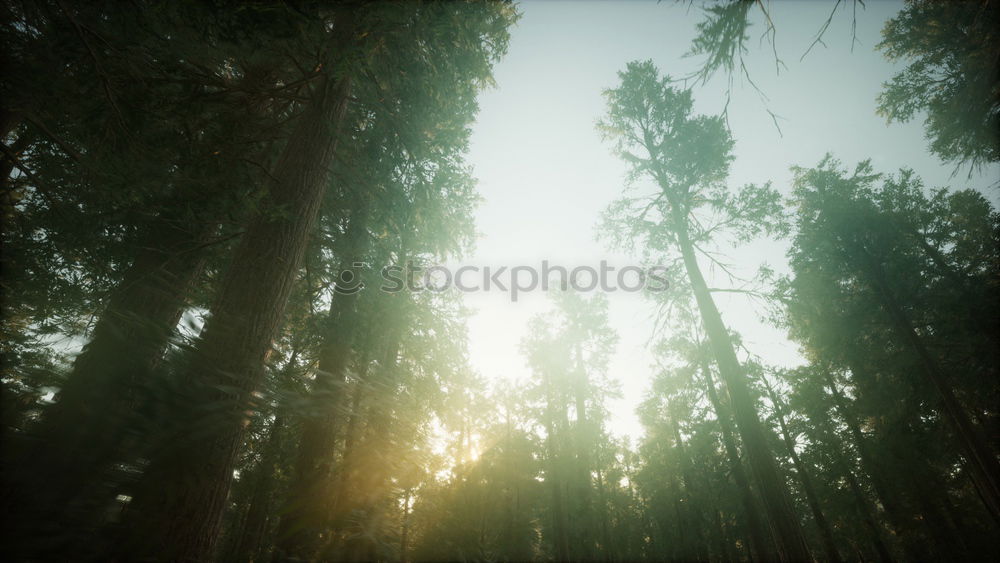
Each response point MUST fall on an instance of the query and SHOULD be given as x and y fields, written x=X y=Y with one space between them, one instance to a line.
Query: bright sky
x=545 y=175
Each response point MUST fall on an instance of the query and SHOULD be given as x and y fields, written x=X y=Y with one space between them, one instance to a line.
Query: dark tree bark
x=894 y=511
x=305 y=515
x=861 y=502
x=254 y=526
x=178 y=508
x=84 y=432
x=980 y=460
x=929 y=533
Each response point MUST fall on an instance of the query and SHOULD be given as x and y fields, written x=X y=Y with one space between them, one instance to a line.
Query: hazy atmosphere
x=534 y=140
x=500 y=281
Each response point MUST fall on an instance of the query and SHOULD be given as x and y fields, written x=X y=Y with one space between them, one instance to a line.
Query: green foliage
x=140 y=142
x=950 y=51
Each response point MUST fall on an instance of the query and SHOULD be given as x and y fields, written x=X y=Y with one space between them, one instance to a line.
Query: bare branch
x=822 y=30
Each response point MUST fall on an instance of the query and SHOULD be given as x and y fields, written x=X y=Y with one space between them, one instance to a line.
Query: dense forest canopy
x=246 y=315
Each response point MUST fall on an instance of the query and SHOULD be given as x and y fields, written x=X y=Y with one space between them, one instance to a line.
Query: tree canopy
x=201 y=361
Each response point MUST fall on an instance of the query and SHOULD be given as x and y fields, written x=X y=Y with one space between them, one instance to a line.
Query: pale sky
x=545 y=175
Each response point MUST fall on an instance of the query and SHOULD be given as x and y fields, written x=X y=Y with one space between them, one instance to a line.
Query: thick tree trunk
x=825 y=532
x=787 y=532
x=83 y=433
x=178 y=509
x=759 y=544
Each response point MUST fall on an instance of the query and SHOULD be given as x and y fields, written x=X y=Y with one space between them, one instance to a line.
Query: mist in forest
x=500 y=281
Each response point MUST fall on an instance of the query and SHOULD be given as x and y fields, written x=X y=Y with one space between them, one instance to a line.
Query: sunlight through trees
x=202 y=362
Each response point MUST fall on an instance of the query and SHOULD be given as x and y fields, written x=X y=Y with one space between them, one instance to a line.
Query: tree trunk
x=607 y=547
x=340 y=498
x=582 y=444
x=178 y=509
x=354 y=475
x=825 y=533
x=254 y=528
x=83 y=433
x=759 y=545
x=305 y=513
x=785 y=527
x=404 y=532
x=980 y=460
x=935 y=536
x=559 y=524
x=880 y=483
x=691 y=515
x=865 y=509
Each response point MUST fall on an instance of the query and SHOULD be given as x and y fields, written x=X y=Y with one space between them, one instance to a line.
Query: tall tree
x=857 y=223
x=183 y=518
x=688 y=158
x=157 y=178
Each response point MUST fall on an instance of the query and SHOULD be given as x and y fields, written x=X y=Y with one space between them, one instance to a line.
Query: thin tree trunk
x=606 y=543
x=980 y=460
x=867 y=513
x=305 y=513
x=254 y=528
x=582 y=445
x=341 y=499
x=353 y=476
x=404 y=533
x=865 y=508
x=365 y=474
x=718 y=537
x=691 y=515
x=785 y=526
x=825 y=533
x=178 y=510
x=759 y=545
x=880 y=482
x=935 y=536
x=560 y=540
